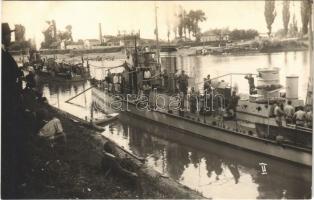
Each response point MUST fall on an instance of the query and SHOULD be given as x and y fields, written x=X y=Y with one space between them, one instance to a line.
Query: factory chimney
x=100 y=34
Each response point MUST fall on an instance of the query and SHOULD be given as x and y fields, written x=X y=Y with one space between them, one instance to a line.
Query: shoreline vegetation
x=198 y=48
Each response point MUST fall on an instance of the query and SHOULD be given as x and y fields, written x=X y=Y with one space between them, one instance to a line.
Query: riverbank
x=248 y=47
x=74 y=170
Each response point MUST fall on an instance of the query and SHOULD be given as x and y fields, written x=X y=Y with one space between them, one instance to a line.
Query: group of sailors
x=122 y=83
x=115 y=82
x=291 y=115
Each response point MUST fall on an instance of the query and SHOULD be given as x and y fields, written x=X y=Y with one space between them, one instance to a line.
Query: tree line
x=53 y=38
x=188 y=23
x=20 y=42
x=292 y=30
x=235 y=34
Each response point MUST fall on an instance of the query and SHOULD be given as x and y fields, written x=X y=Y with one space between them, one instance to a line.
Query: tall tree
x=305 y=15
x=175 y=25
x=65 y=36
x=270 y=14
x=184 y=22
x=293 y=29
x=286 y=15
x=19 y=33
x=180 y=24
x=188 y=23
x=199 y=16
x=49 y=34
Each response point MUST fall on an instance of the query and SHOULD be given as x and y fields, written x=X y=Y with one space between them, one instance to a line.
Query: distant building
x=55 y=45
x=262 y=36
x=75 y=45
x=89 y=43
x=106 y=38
x=181 y=39
x=123 y=40
x=211 y=37
x=114 y=42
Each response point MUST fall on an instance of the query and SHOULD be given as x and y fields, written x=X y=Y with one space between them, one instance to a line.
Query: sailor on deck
x=278 y=112
x=207 y=84
x=147 y=75
x=289 y=112
x=115 y=83
x=193 y=100
x=299 y=117
x=233 y=104
x=183 y=82
x=309 y=118
x=250 y=79
x=165 y=78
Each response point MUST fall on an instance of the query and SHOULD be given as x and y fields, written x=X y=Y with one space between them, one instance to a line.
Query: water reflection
x=58 y=93
x=214 y=169
x=269 y=60
x=289 y=63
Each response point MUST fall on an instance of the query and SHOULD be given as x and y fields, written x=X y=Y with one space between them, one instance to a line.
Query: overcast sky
x=84 y=16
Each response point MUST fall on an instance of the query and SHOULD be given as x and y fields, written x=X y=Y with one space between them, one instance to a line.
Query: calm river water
x=216 y=170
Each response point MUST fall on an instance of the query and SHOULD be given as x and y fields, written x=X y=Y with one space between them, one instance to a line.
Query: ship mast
x=309 y=95
x=156 y=33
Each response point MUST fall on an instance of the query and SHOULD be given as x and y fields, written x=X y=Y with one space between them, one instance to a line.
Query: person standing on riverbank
x=30 y=78
x=12 y=119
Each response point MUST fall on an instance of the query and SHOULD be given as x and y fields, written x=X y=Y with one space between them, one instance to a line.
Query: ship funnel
x=292 y=85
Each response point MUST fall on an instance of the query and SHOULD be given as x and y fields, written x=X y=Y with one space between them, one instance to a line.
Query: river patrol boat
x=253 y=128
x=246 y=131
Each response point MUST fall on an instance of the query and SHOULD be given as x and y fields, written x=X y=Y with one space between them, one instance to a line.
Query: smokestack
x=100 y=34
x=54 y=29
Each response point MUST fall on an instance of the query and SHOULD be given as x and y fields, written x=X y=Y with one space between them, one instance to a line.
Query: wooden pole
x=309 y=95
x=79 y=94
x=156 y=32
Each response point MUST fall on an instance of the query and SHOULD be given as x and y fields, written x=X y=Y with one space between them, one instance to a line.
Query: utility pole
x=309 y=95
x=156 y=32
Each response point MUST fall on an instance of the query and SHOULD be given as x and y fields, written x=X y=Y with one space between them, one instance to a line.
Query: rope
x=108 y=68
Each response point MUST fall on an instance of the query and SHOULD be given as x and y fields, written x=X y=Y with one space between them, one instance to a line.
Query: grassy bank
x=74 y=170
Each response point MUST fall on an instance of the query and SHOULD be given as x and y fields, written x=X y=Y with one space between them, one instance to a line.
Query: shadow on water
x=217 y=170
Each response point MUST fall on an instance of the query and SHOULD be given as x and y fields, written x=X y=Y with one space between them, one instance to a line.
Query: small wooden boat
x=61 y=77
x=62 y=72
x=109 y=118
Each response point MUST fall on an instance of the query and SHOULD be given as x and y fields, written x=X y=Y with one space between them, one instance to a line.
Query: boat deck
x=216 y=119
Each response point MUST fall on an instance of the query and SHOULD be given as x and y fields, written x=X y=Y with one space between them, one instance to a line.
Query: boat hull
x=45 y=77
x=221 y=134
x=298 y=136
x=264 y=146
